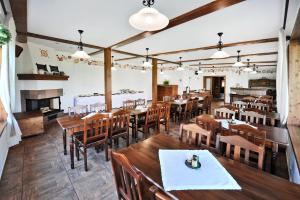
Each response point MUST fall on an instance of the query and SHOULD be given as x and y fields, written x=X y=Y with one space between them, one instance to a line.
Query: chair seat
x=119 y=131
x=91 y=140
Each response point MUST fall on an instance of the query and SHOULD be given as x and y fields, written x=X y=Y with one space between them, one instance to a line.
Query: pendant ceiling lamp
x=143 y=70
x=113 y=68
x=248 y=68
x=220 y=53
x=238 y=60
x=147 y=63
x=80 y=53
x=148 y=19
x=200 y=70
x=254 y=70
x=180 y=68
x=213 y=70
x=161 y=72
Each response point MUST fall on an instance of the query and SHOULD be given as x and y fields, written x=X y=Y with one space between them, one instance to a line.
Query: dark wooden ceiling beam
x=243 y=55
x=96 y=52
x=44 y=37
x=127 y=58
x=249 y=42
x=141 y=56
x=193 y=14
x=19 y=11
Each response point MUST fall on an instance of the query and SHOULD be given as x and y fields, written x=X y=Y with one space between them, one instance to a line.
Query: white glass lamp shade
x=253 y=72
x=213 y=73
x=180 y=68
x=81 y=54
x=161 y=72
x=147 y=64
x=238 y=64
x=200 y=71
x=220 y=54
x=143 y=71
x=113 y=68
x=247 y=69
x=148 y=19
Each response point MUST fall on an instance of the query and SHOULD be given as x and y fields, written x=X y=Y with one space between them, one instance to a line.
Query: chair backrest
x=164 y=111
x=250 y=133
x=78 y=110
x=260 y=106
x=95 y=127
x=158 y=194
x=253 y=117
x=241 y=143
x=140 y=102
x=120 y=121
x=152 y=114
x=128 y=179
x=240 y=104
x=189 y=106
x=167 y=98
x=129 y=104
x=98 y=107
x=224 y=113
x=194 y=134
x=208 y=122
x=249 y=99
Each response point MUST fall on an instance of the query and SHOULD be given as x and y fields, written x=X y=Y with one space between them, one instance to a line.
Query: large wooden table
x=255 y=184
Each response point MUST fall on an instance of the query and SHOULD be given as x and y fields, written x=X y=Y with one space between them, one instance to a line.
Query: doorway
x=216 y=85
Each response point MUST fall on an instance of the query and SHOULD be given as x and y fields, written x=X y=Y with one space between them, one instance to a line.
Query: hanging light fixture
x=148 y=19
x=180 y=68
x=220 y=53
x=80 y=53
x=254 y=70
x=200 y=70
x=113 y=68
x=248 y=69
x=213 y=70
x=161 y=72
x=238 y=60
x=147 y=63
x=143 y=70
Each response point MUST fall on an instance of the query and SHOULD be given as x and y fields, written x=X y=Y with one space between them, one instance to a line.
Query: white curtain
x=7 y=85
x=282 y=78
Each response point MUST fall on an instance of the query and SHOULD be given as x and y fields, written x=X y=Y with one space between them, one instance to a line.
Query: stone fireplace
x=46 y=101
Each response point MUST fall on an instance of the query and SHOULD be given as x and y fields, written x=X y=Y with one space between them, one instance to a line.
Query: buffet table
x=117 y=99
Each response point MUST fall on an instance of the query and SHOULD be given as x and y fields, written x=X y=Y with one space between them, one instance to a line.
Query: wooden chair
x=151 y=120
x=260 y=106
x=98 y=107
x=253 y=117
x=95 y=133
x=240 y=104
x=205 y=105
x=129 y=105
x=241 y=143
x=224 y=113
x=208 y=122
x=167 y=98
x=250 y=133
x=164 y=116
x=194 y=134
x=128 y=180
x=78 y=110
x=195 y=111
x=119 y=126
x=158 y=194
x=187 y=113
x=140 y=102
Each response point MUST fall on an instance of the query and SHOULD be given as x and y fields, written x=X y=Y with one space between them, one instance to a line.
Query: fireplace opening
x=47 y=106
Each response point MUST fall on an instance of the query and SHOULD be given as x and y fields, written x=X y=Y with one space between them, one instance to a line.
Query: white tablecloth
x=225 y=123
x=177 y=176
x=117 y=100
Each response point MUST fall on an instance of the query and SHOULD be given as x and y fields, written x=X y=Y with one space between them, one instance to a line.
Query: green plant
x=166 y=82
x=5 y=35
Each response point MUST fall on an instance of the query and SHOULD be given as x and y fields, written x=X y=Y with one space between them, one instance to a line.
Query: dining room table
x=254 y=183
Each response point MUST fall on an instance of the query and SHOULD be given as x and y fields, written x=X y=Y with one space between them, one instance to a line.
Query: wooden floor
x=38 y=169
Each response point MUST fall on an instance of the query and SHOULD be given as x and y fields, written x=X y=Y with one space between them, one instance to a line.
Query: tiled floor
x=38 y=169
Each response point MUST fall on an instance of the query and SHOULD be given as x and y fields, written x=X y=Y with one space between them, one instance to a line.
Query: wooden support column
x=107 y=79
x=154 y=81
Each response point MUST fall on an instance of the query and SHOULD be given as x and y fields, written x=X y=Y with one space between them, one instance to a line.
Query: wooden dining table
x=255 y=184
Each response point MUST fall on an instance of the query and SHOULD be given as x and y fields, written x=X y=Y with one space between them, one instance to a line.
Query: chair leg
x=127 y=138
x=106 y=151
x=85 y=159
x=77 y=150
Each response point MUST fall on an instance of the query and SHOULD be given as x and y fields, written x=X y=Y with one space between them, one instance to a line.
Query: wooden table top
x=255 y=184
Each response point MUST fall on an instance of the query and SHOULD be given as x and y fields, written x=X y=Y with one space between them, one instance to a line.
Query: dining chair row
x=132 y=104
x=84 y=109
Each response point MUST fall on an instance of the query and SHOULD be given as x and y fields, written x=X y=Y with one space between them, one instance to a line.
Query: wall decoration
x=44 y=53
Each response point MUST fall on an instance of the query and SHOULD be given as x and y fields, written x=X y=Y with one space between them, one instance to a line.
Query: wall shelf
x=42 y=77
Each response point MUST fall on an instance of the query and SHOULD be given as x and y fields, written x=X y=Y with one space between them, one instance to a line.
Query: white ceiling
x=106 y=23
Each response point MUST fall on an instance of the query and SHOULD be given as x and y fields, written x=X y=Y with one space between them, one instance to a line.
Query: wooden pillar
x=154 y=81
x=107 y=79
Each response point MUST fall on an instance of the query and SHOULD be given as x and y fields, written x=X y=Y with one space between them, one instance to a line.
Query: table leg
x=136 y=127
x=65 y=141
x=272 y=122
x=274 y=158
x=72 y=151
